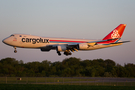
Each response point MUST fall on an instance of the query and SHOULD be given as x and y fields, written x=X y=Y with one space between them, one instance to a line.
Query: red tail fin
x=116 y=33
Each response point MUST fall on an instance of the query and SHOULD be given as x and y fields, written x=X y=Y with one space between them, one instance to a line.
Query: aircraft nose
x=5 y=40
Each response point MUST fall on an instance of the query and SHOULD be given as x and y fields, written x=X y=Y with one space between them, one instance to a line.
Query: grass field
x=69 y=81
x=41 y=80
x=61 y=87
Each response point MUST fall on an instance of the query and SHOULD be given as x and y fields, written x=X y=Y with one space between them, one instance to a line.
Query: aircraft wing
x=75 y=46
x=68 y=48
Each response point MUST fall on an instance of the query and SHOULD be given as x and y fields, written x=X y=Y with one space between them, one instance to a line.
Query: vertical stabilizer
x=116 y=33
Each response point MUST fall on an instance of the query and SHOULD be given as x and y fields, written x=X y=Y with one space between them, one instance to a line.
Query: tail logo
x=115 y=34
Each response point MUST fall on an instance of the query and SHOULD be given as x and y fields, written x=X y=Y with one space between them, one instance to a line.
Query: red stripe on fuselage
x=68 y=41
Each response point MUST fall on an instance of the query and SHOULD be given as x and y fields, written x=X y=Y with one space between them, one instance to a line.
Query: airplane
x=65 y=45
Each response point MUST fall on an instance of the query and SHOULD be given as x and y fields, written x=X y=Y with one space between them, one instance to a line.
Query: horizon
x=67 y=58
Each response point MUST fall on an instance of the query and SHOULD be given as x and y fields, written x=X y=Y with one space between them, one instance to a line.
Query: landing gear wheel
x=58 y=53
x=15 y=51
x=67 y=53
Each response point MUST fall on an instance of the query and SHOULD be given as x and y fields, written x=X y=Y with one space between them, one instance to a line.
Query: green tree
x=67 y=68
x=109 y=64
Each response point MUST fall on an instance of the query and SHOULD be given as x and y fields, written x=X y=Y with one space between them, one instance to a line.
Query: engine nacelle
x=83 y=46
x=45 y=48
x=61 y=48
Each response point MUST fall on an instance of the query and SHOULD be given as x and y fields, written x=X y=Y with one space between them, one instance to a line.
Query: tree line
x=69 y=67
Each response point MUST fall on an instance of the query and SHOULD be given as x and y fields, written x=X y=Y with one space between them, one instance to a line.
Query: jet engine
x=45 y=48
x=61 y=48
x=83 y=46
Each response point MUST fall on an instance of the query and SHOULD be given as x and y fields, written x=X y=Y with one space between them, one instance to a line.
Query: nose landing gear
x=15 y=51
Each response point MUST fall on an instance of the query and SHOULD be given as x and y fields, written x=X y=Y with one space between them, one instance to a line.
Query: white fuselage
x=30 y=41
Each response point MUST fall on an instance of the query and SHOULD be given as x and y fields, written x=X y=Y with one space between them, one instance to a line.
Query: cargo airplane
x=65 y=45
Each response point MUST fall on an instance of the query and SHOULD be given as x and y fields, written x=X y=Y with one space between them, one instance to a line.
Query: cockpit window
x=12 y=35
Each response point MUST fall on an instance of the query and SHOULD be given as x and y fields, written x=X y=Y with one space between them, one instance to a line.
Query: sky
x=84 y=19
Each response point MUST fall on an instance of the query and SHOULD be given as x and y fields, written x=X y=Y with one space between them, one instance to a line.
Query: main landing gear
x=15 y=51
x=67 y=53
x=58 y=53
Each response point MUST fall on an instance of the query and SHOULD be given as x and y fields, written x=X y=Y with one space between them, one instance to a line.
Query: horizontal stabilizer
x=120 y=42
